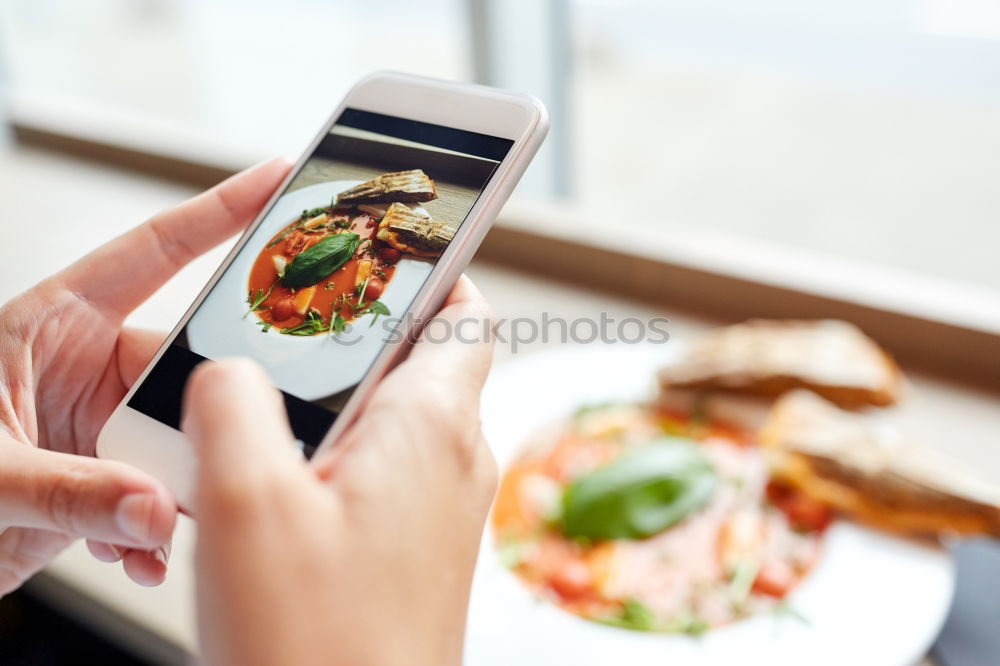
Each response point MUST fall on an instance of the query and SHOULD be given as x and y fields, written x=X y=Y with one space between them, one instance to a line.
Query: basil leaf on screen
x=312 y=265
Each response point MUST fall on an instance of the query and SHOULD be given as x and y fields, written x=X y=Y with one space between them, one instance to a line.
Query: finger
x=98 y=499
x=456 y=345
x=136 y=348
x=133 y=351
x=236 y=420
x=449 y=365
x=24 y=552
x=123 y=273
x=105 y=552
x=147 y=567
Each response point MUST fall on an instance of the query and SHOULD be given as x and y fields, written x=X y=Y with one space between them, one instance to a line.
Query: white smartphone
x=360 y=244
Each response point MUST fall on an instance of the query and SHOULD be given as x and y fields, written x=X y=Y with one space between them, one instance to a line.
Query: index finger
x=118 y=276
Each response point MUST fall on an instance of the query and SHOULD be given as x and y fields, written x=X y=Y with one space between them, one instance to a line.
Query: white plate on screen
x=311 y=367
x=871 y=598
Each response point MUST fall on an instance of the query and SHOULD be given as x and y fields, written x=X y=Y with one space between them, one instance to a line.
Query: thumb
x=457 y=344
x=236 y=421
x=84 y=497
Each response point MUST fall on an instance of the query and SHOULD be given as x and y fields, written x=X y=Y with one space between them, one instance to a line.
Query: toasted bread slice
x=413 y=233
x=872 y=474
x=412 y=186
x=768 y=357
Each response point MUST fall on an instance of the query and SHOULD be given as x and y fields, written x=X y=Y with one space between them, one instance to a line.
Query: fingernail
x=106 y=552
x=162 y=554
x=134 y=515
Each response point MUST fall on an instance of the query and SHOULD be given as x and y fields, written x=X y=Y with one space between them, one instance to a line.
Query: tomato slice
x=774 y=580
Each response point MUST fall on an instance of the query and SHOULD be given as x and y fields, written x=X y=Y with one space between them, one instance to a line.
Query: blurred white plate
x=310 y=367
x=871 y=599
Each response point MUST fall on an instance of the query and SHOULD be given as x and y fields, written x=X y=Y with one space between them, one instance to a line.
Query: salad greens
x=254 y=300
x=641 y=493
x=311 y=325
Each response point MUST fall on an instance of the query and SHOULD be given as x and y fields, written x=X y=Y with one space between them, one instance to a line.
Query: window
x=868 y=131
x=855 y=132
x=244 y=72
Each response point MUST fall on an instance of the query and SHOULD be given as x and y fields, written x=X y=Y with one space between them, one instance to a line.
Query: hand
x=364 y=556
x=66 y=363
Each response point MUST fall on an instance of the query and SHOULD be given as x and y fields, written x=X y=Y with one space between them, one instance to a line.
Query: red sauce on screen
x=285 y=308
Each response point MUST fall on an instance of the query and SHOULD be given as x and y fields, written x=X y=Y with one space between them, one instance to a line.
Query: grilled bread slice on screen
x=413 y=233
x=412 y=186
x=872 y=474
x=769 y=357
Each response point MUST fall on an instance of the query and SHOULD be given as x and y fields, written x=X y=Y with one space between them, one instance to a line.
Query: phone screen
x=324 y=280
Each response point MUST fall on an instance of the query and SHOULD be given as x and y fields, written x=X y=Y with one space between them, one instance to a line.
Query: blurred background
x=866 y=131
x=771 y=157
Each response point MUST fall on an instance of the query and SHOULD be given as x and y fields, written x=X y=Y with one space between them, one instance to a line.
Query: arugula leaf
x=634 y=615
x=586 y=410
x=377 y=308
x=641 y=493
x=265 y=326
x=686 y=622
x=637 y=616
x=311 y=325
x=254 y=300
x=322 y=259
x=337 y=324
x=741 y=582
x=289 y=229
x=511 y=552
x=359 y=291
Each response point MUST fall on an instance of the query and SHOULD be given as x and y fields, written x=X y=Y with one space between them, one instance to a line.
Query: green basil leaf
x=641 y=493
x=319 y=261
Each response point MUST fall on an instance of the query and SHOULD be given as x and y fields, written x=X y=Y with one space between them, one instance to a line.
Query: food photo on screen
x=321 y=284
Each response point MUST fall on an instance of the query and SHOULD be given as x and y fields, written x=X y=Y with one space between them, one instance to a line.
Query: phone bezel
x=131 y=436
